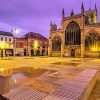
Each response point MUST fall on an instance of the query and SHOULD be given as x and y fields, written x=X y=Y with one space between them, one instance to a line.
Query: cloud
x=7 y=27
x=36 y=15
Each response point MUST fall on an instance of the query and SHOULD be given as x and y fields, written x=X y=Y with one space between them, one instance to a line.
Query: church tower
x=53 y=27
x=91 y=16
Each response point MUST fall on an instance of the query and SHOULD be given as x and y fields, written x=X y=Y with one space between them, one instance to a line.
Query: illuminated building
x=32 y=44
x=79 y=35
x=6 y=43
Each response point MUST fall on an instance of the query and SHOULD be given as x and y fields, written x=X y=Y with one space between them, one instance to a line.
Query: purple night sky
x=36 y=15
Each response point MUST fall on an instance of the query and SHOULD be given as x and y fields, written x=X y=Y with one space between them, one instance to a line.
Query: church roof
x=74 y=16
x=86 y=13
x=94 y=25
x=89 y=12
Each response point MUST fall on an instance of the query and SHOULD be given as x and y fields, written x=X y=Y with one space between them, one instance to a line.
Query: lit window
x=56 y=44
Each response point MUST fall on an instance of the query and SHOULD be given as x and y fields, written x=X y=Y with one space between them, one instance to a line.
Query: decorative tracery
x=92 y=42
x=56 y=44
x=72 y=34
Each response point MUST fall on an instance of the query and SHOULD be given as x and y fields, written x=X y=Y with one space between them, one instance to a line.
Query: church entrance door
x=72 y=53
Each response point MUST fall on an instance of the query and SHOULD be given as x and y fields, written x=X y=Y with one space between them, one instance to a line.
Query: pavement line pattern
x=24 y=93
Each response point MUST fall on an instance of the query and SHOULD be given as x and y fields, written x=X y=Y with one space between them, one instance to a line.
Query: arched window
x=1 y=38
x=92 y=42
x=86 y=20
x=56 y=44
x=5 y=38
x=72 y=34
x=92 y=18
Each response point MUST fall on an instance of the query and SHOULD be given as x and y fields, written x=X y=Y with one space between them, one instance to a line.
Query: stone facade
x=79 y=35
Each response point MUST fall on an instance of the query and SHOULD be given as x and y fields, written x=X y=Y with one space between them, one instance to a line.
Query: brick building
x=32 y=44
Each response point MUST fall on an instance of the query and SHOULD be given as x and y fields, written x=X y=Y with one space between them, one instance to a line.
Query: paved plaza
x=45 y=65
x=54 y=63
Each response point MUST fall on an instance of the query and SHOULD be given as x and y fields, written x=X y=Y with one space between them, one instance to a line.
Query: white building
x=6 y=43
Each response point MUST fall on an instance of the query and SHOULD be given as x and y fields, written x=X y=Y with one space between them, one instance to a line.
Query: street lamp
x=15 y=32
x=36 y=44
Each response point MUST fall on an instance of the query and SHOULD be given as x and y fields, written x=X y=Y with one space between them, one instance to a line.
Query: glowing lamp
x=17 y=31
x=36 y=44
x=2 y=69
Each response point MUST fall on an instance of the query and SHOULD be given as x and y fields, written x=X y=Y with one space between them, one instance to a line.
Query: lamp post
x=2 y=44
x=1 y=53
x=1 y=49
x=14 y=32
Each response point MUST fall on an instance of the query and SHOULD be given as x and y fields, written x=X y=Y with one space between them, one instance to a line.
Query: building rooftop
x=86 y=13
x=35 y=35
x=6 y=33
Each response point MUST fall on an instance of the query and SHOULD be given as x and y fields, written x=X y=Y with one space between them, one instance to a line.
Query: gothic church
x=79 y=35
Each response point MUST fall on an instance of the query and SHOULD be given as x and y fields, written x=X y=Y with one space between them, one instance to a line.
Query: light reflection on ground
x=19 y=78
x=66 y=63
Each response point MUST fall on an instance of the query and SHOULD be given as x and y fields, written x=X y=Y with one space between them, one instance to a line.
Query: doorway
x=32 y=52
x=25 y=52
x=73 y=53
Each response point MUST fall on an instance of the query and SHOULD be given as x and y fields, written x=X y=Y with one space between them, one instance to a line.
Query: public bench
x=78 y=88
